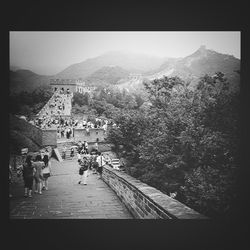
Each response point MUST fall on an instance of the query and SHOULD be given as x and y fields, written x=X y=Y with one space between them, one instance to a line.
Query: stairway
x=68 y=145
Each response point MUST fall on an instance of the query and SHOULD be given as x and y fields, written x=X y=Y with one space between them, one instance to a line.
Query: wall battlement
x=145 y=202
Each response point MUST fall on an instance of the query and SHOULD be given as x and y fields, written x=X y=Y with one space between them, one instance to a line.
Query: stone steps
x=68 y=145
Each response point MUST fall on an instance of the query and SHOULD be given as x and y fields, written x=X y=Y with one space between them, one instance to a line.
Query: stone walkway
x=66 y=199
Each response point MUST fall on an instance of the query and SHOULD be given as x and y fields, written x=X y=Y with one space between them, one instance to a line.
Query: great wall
x=131 y=197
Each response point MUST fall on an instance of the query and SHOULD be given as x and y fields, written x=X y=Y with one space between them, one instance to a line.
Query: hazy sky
x=48 y=53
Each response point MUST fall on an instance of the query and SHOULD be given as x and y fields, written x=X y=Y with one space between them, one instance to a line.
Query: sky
x=48 y=53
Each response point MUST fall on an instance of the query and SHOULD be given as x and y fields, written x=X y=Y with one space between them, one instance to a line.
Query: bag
x=47 y=175
x=84 y=167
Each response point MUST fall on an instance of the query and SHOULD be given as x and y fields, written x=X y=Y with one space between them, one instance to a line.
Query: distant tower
x=203 y=47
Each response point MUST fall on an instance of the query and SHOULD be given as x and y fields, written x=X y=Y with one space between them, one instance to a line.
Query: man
x=101 y=163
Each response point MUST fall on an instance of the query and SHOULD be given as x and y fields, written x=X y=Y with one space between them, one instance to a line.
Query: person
x=94 y=163
x=28 y=173
x=83 y=170
x=64 y=152
x=107 y=159
x=87 y=131
x=85 y=147
x=46 y=171
x=96 y=146
x=100 y=161
x=38 y=165
x=72 y=152
x=10 y=180
x=79 y=156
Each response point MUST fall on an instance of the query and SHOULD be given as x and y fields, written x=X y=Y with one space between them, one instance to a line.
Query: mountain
x=108 y=75
x=191 y=68
x=26 y=80
x=14 y=68
x=135 y=63
x=203 y=61
x=128 y=70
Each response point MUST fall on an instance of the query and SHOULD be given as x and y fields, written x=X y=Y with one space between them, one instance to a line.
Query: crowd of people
x=59 y=104
x=90 y=161
x=65 y=125
x=35 y=171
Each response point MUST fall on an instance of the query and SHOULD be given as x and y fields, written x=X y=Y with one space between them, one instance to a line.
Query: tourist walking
x=94 y=164
x=101 y=163
x=38 y=165
x=64 y=152
x=83 y=170
x=46 y=172
x=28 y=174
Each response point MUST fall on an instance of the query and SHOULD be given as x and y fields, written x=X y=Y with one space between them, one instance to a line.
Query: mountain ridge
x=116 y=67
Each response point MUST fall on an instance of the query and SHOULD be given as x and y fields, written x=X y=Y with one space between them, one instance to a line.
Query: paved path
x=66 y=199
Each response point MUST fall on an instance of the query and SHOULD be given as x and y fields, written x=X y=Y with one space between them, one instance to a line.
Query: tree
x=185 y=141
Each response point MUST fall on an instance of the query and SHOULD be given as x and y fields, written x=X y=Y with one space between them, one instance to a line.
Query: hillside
x=135 y=63
x=108 y=75
x=26 y=80
x=192 y=67
x=202 y=61
x=98 y=70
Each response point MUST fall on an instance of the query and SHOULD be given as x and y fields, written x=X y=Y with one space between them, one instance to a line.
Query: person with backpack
x=83 y=170
x=28 y=173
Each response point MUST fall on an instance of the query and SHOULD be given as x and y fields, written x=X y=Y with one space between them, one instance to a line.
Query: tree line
x=29 y=103
x=186 y=141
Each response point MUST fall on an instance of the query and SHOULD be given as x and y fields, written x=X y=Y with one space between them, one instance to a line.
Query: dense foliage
x=186 y=142
x=106 y=101
x=29 y=103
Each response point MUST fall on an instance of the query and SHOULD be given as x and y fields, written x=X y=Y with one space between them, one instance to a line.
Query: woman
x=28 y=173
x=38 y=165
x=46 y=171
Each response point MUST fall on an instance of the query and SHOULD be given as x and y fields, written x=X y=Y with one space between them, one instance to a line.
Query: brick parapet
x=81 y=134
x=146 y=202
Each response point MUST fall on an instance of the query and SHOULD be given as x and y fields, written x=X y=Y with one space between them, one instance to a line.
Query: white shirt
x=100 y=160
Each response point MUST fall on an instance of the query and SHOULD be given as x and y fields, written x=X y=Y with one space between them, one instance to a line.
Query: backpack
x=84 y=166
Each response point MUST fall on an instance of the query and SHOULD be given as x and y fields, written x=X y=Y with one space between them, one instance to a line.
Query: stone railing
x=145 y=202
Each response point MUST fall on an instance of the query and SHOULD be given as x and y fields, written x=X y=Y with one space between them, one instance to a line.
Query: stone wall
x=27 y=129
x=145 y=202
x=94 y=133
x=40 y=137
x=49 y=137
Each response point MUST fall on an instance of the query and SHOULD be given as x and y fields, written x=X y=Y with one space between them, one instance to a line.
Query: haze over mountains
x=117 y=67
